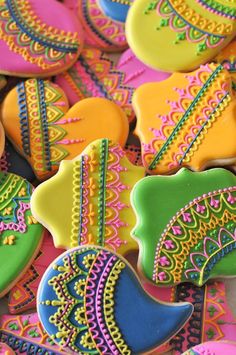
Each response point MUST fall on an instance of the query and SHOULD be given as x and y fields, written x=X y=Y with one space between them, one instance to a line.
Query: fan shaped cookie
x=20 y=233
x=179 y=35
x=38 y=39
x=186 y=226
x=38 y=121
x=111 y=312
x=94 y=190
x=182 y=120
x=213 y=348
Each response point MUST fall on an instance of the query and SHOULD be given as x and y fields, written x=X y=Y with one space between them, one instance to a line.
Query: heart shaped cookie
x=111 y=312
x=94 y=190
x=186 y=226
x=20 y=233
x=179 y=35
x=181 y=120
x=38 y=122
x=38 y=39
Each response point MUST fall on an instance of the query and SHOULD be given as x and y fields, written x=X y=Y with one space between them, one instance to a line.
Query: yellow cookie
x=88 y=200
x=179 y=35
x=187 y=120
x=38 y=121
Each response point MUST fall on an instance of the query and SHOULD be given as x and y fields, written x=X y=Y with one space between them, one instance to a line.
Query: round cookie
x=90 y=300
x=101 y=31
x=20 y=233
x=181 y=120
x=179 y=35
x=6 y=350
x=213 y=348
x=94 y=190
x=116 y=9
x=186 y=226
x=39 y=123
x=38 y=39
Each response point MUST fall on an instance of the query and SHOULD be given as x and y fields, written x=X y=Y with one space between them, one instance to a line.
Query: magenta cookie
x=213 y=348
x=38 y=38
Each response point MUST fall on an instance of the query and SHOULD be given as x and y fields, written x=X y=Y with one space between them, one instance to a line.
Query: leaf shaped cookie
x=38 y=40
x=186 y=226
x=182 y=120
x=20 y=233
x=111 y=312
x=39 y=123
x=94 y=190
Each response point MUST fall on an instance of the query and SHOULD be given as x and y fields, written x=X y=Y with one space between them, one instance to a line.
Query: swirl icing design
x=198 y=242
x=86 y=298
x=180 y=134
x=20 y=233
x=96 y=191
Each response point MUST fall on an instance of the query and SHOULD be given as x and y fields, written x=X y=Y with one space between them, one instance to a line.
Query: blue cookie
x=116 y=9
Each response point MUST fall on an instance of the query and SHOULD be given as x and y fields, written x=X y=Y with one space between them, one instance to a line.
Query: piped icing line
x=178 y=230
x=218 y=8
x=102 y=192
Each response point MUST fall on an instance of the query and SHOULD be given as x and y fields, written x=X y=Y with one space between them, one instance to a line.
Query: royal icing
x=186 y=226
x=6 y=350
x=116 y=9
x=2 y=140
x=213 y=348
x=90 y=301
x=227 y=58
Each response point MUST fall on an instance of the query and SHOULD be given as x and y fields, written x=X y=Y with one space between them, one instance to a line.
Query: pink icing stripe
x=21 y=225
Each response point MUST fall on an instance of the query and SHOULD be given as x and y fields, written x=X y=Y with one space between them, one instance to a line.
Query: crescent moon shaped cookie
x=116 y=9
x=94 y=189
x=180 y=121
x=39 y=123
x=6 y=350
x=101 y=31
x=186 y=226
x=179 y=35
x=227 y=57
x=22 y=296
x=90 y=301
x=213 y=348
x=38 y=40
x=13 y=162
x=25 y=335
x=95 y=75
x=20 y=233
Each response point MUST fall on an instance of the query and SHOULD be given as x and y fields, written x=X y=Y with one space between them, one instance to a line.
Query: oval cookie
x=111 y=312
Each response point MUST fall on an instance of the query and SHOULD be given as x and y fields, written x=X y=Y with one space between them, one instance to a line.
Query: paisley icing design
x=20 y=233
x=116 y=9
x=22 y=296
x=81 y=280
x=100 y=31
x=48 y=132
x=95 y=190
x=194 y=238
x=94 y=74
x=36 y=41
x=179 y=26
x=25 y=335
x=185 y=129
x=213 y=348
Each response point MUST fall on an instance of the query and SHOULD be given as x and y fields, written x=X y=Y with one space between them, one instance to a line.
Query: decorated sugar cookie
x=20 y=233
x=182 y=120
x=179 y=35
x=186 y=226
x=95 y=75
x=111 y=312
x=2 y=139
x=6 y=350
x=227 y=57
x=38 y=121
x=116 y=9
x=101 y=31
x=25 y=335
x=13 y=162
x=22 y=296
x=38 y=40
x=213 y=348
x=94 y=190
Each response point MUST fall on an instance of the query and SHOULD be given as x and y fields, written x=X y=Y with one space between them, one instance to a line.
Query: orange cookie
x=38 y=121
x=183 y=120
x=2 y=139
x=227 y=57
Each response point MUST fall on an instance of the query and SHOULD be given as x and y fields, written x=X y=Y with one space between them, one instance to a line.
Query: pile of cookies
x=117 y=147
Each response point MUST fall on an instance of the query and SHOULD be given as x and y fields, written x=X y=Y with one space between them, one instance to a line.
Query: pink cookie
x=213 y=348
x=22 y=296
x=6 y=350
x=38 y=38
x=137 y=73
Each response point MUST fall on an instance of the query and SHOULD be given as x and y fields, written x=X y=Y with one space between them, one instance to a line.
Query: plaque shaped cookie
x=180 y=121
x=20 y=233
x=94 y=190
x=90 y=301
x=179 y=35
x=186 y=226
x=38 y=40
x=39 y=123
